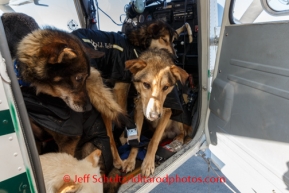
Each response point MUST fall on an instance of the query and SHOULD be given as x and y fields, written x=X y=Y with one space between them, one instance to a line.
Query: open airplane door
x=248 y=119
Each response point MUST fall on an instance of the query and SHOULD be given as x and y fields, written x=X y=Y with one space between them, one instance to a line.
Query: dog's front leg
x=148 y=165
x=129 y=163
x=117 y=162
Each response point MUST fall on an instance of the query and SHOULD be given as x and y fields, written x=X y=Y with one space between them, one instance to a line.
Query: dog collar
x=17 y=72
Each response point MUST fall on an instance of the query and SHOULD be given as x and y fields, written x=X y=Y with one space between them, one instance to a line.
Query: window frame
x=271 y=11
x=265 y=7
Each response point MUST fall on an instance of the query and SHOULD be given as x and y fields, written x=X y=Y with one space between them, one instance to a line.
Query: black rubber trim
x=231 y=17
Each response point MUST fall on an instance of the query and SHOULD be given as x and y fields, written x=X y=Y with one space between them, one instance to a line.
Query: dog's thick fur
x=56 y=63
x=59 y=167
x=154 y=76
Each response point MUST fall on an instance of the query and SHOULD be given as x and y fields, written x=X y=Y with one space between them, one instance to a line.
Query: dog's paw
x=147 y=167
x=128 y=165
x=118 y=164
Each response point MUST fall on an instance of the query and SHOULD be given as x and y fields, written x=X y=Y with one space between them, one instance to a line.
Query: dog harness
x=117 y=50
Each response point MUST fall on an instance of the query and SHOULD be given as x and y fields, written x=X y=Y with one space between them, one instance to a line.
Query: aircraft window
x=257 y=11
x=278 y=5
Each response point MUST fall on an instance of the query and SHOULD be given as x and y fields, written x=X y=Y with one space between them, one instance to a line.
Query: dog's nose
x=155 y=115
x=87 y=107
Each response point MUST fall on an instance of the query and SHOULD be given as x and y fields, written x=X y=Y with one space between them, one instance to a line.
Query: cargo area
x=232 y=105
x=176 y=14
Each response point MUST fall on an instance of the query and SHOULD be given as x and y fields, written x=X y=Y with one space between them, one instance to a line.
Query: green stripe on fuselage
x=15 y=184
x=6 y=124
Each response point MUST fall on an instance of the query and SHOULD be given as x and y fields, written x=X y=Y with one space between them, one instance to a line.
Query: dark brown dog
x=56 y=63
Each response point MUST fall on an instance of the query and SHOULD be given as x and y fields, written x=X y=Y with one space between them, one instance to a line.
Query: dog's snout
x=155 y=115
x=78 y=102
x=87 y=107
x=153 y=110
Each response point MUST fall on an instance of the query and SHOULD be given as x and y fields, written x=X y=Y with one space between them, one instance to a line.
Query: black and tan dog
x=154 y=77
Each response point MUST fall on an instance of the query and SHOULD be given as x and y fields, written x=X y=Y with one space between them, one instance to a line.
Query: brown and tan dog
x=154 y=77
x=156 y=34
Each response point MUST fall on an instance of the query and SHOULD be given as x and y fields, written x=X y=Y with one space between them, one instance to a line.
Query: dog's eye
x=164 y=40
x=79 y=78
x=146 y=85
x=165 y=88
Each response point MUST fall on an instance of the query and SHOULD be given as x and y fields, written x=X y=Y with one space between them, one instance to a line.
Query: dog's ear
x=57 y=52
x=93 y=53
x=69 y=187
x=179 y=73
x=153 y=28
x=94 y=157
x=66 y=53
x=135 y=65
